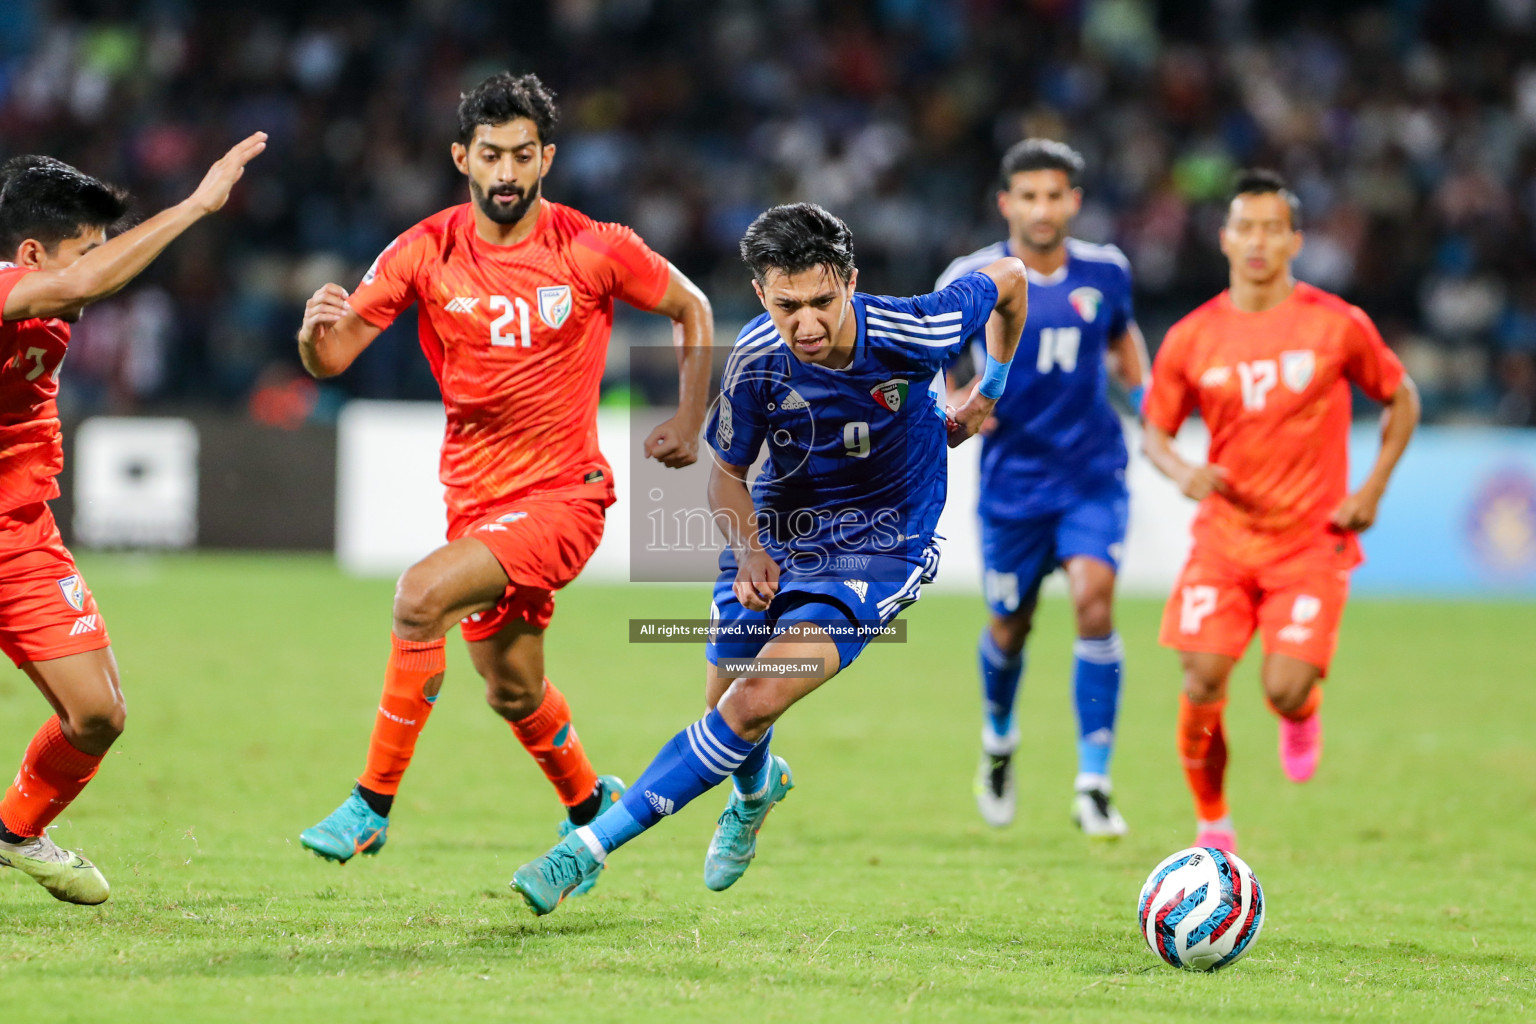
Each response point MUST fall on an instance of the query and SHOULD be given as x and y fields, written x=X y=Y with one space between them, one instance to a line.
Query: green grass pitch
x=1399 y=881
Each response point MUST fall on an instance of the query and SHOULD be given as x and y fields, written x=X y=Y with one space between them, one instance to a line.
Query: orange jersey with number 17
x=517 y=337
x=1273 y=389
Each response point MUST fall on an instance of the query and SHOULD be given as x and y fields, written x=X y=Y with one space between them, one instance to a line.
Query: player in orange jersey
x=1268 y=363
x=53 y=238
x=515 y=305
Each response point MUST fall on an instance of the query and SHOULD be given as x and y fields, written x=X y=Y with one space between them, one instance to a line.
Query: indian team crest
x=73 y=588
x=1296 y=369
x=892 y=394
x=1087 y=302
x=555 y=305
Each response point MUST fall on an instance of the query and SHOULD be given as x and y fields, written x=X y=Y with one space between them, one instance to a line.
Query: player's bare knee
x=1287 y=690
x=419 y=606
x=1011 y=632
x=1094 y=613
x=756 y=703
x=513 y=697
x=96 y=726
x=1202 y=684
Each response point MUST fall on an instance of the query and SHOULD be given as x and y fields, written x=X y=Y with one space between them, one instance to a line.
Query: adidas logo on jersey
x=794 y=401
x=858 y=587
x=466 y=304
x=84 y=624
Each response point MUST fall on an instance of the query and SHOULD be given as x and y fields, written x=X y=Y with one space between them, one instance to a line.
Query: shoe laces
x=734 y=822
x=45 y=849
x=562 y=866
x=353 y=816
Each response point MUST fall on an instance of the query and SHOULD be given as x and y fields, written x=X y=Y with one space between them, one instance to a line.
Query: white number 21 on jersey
x=510 y=308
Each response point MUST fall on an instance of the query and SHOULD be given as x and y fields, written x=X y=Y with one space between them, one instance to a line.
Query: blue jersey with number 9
x=856 y=457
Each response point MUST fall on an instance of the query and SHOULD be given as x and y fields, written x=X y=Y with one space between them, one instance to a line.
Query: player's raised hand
x=1200 y=481
x=673 y=445
x=757 y=580
x=1357 y=512
x=213 y=193
x=322 y=311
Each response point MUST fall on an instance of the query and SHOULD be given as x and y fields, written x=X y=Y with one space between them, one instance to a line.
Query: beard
x=495 y=211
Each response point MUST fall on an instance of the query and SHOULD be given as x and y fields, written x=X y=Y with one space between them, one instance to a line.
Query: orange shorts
x=542 y=541
x=1295 y=604
x=46 y=610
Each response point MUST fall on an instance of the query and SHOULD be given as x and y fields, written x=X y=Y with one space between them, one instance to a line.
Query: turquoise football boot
x=609 y=788
x=543 y=883
x=735 y=842
x=350 y=829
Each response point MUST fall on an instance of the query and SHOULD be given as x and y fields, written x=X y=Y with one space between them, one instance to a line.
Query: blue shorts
x=1018 y=554
x=855 y=606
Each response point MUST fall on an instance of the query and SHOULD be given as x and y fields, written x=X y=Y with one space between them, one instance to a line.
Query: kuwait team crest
x=891 y=393
x=74 y=591
x=555 y=305
x=1087 y=302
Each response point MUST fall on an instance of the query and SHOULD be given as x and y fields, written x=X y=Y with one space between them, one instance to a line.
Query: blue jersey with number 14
x=1057 y=437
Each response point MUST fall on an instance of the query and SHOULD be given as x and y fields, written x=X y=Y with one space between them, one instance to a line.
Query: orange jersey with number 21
x=1273 y=388
x=517 y=337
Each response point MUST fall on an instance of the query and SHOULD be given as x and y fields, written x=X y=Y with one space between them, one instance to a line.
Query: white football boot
x=64 y=873
x=996 y=794
x=1093 y=811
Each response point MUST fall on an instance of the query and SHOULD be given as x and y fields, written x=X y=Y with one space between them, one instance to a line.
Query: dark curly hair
x=797 y=237
x=506 y=97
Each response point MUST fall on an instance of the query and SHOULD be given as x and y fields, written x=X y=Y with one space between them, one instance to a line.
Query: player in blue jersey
x=836 y=534
x=1053 y=473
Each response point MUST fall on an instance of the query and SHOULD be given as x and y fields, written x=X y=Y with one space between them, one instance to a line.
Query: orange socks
x=1308 y=707
x=52 y=774
x=403 y=710
x=551 y=739
x=1203 y=748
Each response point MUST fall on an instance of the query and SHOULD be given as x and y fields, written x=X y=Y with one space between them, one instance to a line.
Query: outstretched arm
x=1398 y=420
x=1003 y=330
x=757 y=574
x=332 y=335
x=675 y=443
x=108 y=267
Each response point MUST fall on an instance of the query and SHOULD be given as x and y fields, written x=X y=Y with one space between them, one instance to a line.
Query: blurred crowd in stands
x=1407 y=127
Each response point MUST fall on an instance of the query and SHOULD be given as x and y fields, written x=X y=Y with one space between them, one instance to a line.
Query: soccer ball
x=1201 y=909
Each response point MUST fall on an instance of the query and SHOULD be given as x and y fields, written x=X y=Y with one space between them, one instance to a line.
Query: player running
x=1053 y=474
x=515 y=305
x=1268 y=364
x=53 y=233
x=837 y=532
